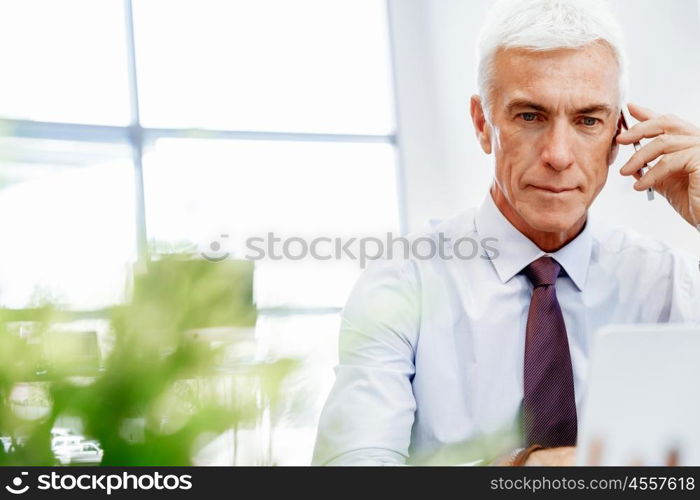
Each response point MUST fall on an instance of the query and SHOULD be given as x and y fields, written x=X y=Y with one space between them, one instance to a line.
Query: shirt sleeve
x=368 y=416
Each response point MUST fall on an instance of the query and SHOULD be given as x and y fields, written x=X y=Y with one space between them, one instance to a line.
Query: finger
x=663 y=144
x=663 y=124
x=668 y=165
x=672 y=458
x=595 y=452
x=642 y=130
x=641 y=113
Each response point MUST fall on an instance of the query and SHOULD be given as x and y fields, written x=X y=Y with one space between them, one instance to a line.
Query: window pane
x=198 y=190
x=66 y=222
x=313 y=340
x=306 y=65
x=64 y=61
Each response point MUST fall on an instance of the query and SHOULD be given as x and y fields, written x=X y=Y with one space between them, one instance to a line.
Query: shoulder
x=461 y=224
x=405 y=257
x=624 y=241
x=395 y=280
x=626 y=249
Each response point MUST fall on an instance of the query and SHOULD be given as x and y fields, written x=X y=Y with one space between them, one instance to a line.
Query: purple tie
x=549 y=404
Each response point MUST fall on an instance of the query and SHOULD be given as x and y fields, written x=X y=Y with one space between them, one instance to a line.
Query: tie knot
x=543 y=271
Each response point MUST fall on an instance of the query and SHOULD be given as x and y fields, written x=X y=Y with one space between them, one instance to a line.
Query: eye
x=589 y=121
x=528 y=117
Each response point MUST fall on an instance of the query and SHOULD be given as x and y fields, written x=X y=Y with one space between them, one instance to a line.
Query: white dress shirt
x=432 y=350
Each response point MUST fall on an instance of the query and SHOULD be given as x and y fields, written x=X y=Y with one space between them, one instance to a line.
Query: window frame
x=136 y=136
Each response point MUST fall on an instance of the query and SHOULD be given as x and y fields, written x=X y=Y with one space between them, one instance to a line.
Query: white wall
x=444 y=170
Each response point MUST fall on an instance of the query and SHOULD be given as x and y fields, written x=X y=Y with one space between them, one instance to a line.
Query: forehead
x=575 y=75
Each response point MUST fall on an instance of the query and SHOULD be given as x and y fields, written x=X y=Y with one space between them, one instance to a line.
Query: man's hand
x=563 y=455
x=677 y=174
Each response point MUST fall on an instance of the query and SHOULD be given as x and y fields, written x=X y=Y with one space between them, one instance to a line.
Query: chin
x=552 y=219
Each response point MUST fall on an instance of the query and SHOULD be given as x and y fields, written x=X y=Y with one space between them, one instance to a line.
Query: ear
x=481 y=126
x=615 y=147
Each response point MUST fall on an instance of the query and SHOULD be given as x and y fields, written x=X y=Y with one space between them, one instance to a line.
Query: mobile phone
x=625 y=120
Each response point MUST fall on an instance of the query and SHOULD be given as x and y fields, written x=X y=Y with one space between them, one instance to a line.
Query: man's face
x=554 y=116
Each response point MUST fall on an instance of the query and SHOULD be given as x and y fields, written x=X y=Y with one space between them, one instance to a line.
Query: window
x=64 y=61
x=265 y=65
x=134 y=126
x=198 y=189
x=67 y=223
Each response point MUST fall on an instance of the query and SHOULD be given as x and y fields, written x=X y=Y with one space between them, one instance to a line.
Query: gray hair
x=542 y=25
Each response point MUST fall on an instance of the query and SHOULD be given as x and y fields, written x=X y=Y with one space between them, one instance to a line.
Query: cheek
x=595 y=159
x=599 y=176
x=514 y=154
x=504 y=173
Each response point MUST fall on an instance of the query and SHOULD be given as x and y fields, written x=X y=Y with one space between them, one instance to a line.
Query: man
x=436 y=352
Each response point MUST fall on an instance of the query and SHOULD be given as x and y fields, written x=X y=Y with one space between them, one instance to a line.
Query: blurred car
x=61 y=431
x=66 y=440
x=10 y=444
x=86 y=452
x=6 y=443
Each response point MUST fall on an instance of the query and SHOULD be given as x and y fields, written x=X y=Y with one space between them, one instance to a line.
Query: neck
x=545 y=240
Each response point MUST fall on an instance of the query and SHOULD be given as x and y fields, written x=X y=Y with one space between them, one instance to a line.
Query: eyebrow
x=524 y=103
x=595 y=108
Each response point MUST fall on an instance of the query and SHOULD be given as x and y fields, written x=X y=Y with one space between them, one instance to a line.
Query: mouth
x=554 y=189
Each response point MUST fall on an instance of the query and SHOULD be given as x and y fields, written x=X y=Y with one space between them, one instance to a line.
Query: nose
x=558 y=146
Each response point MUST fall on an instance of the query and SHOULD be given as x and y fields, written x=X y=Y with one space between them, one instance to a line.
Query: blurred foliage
x=161 y=391
x=168 y=247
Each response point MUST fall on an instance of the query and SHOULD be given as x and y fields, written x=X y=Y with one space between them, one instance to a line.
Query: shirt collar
x=515 y=250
